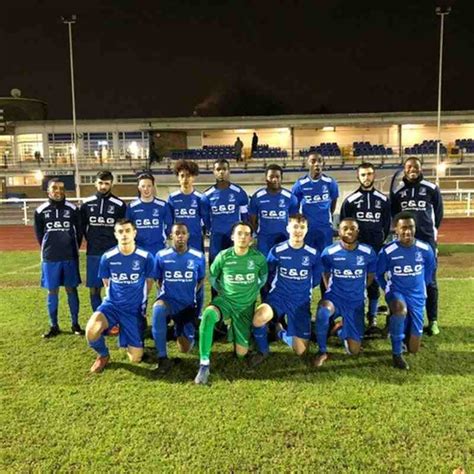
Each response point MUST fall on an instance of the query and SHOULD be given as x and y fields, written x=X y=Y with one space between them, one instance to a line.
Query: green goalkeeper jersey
x=238 y=278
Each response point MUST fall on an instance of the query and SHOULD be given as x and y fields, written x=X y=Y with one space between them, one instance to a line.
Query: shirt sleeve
x=334 y=189
x=84 y=220
x=345 y=210
x=149 y=266
x=158 y=269
x=128 y=213
x=437 y=207
x=326 y=262
x=317 y=269
x=77 y=226
x=386 y=219
x=394 y=204
x=293 y=208
x=430 y=265
x=201 y=268
x=253 y=205
x=297 y=192
x=38 y=226
x=372 y=264
x=272 y=264
x=263 y=271
x=381 y=268
x=205 y=212
x=168 y=218
x=104 y=269
x=215 y=271
x=244 y=206
x=121 y=210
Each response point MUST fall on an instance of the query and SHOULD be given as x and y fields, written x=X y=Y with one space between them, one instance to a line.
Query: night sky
x=164 y=58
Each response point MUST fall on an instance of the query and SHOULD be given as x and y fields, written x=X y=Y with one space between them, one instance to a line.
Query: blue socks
x=99 y=346
x=373 y=307
x=322 y=326
x=73 y=302
x=261 y=338
x=52 y=303
x=283 y=336
x=189 y=333
x=96 y=300
x=159 y=328
x=397 y=332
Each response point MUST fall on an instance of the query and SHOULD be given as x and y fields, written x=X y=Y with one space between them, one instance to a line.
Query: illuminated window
x=60 y=147
x=98 y=146
x=30 y=147
x=6 y=150
x=133 y=145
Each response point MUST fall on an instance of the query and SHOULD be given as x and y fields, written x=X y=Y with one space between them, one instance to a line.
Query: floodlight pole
x=441 y=12
x=69 y=21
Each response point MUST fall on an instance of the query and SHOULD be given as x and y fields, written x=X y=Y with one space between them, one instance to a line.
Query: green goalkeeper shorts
x=240 y=319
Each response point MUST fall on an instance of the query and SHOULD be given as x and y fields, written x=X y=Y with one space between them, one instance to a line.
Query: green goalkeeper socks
x=206 y=333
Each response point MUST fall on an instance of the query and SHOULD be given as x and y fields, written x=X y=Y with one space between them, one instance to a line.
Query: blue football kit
x=223 y=208
x=293 y=273
x=179 y=275
x=403 y=272
x=348 y=271
x=272 y=211
x=126 y=294
x=315 y=198
x=58 y=231
x=189 y=209
x=153 y=221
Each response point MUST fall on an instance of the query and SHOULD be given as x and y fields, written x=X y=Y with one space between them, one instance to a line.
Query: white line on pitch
x=22 y=271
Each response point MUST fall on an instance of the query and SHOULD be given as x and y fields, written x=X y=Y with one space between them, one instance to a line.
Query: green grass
x=354 y=415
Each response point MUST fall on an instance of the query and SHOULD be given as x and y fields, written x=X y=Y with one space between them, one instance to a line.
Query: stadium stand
x=324 y=149
x=367 y=149
x=266 y=151
x=205 y=153
x=465 y=144
x=427 y=147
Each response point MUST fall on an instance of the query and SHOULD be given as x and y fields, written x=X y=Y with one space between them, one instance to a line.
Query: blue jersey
x=315 y=198
x=272 y=211
x=406 y=269
x=153 y=221
x=58 y=230
x=127 y=276
x=293 y=273
x=224 y=207
x=179 y=274
x=348 y=271
x=188 y=209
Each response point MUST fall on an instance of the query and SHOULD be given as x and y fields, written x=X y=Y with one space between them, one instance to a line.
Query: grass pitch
x=356 y=414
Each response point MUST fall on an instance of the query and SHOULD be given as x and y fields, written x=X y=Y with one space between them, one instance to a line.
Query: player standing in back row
x=58 y=231
x=424 y=200
x=371 y=209
x=99 y=213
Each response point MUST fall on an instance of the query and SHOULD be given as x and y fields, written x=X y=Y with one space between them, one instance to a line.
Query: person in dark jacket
x=371 y=209
x=423 y=198
x=99 y=213
x=58 y=231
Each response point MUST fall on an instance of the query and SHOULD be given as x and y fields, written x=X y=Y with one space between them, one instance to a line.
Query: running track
x=19 y=237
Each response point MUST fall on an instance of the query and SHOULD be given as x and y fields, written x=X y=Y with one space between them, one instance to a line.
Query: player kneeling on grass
x=238 y=274
x=404 y=268
x=179 y=272
x=127 y=274
x=294 y=270
x=349 y=267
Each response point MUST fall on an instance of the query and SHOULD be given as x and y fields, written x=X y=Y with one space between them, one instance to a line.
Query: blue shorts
x=176 y=306
x=92 y=269
x=63 y=273
x=184 y=322
x=319 y=238
x=266 y=242
x=415 y=310
x=352 y=314
x=131 y=323
x=298 y=316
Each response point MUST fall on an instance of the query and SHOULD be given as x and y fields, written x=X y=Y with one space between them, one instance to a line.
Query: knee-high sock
x=99 y=346
x=283 y=336
x=96 y=300
x=261 y=338
x=52 y=303
x=189 y=331
x=73 y=302
x=373 y=306
x=206 y=333
x=322 y=325
x=159 y=328
x=397 y=332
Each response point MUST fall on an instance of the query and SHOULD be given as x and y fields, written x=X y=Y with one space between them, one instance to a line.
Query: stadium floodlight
x=69 y=21
x=441 y=11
